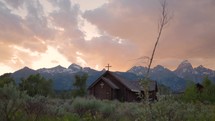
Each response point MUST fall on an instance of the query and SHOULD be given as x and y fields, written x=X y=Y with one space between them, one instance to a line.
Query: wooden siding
x=106 y=92
x=102 y=92
x=119 y=91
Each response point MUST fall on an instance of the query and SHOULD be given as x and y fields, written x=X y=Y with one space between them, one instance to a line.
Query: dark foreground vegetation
x=21 y=103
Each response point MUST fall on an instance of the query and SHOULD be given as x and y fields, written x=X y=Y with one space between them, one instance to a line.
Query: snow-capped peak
x=75 y=67
x=138 y=70
x=57 y=69
x=185 y=66
x=185 y=70
x=159 y=68
x=185 y=62
x=204 y=71
x=201 y=67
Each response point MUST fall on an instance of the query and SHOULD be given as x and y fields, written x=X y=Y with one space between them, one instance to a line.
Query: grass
x=84 y=109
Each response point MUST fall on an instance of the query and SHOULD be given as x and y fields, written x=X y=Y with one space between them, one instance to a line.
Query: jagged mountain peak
x=204 y=71
x=138 y=70
x=103 y=70
x=159 y=67
x=58 y=67
x=75 y=67
x=185 y=64
x=184 y=67
x=26 y=68
x=22 y=73
x=201 y=67
x=186 y=71
x=174 y=80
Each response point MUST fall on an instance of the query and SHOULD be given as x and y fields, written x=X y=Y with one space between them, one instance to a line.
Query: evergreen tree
x=36 y=85
x=208 y=91
x=191 y=94
x=6 y=79
x=206 y=82
x=206 y=95
x=80 y=85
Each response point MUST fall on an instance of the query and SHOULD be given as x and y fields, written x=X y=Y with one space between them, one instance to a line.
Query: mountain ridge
x=175 y=80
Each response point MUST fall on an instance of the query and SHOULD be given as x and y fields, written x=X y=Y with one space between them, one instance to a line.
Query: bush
x=58 y=107
x=177 y=111
x=35 y=107
x=17 y=106
x=167 y=109
x=11 y=103
x=82 y=106
x=107 y=110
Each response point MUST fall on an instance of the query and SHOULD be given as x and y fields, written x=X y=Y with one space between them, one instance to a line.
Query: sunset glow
x=37 y=33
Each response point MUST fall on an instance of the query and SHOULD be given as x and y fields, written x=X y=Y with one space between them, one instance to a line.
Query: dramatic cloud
x=51 y=28
x=16 y=32
x=24 y=31
x=24 y=25
x=190 y=35
x=101 y=51
x=46 y=33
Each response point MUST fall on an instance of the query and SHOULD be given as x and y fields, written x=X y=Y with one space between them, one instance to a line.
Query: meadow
x=16 y=105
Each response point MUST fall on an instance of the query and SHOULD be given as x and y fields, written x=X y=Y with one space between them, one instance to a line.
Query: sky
x=94 y=33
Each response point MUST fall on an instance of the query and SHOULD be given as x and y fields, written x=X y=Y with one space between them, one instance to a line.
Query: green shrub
x=11 y=103
x=35 y=107
x=107 y=110
x=58 y=108
x=82 y=106
x=40 y=108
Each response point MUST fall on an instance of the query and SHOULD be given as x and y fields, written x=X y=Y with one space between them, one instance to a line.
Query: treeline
x=38 y=85
x=34 y=97
x=204 y=92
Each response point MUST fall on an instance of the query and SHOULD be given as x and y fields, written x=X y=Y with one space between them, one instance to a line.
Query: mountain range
x=176 y=80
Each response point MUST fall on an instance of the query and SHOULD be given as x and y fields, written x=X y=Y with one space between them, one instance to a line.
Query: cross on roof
x=108 y=66
x=102 y=84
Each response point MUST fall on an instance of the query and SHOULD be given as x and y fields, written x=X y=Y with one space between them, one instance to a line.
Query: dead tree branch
x=163 y=21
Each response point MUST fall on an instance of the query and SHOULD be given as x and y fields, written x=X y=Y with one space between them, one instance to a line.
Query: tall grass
x=39 y=108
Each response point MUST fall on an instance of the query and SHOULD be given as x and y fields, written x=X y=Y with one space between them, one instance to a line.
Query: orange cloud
x=188 y=36
x=127 y=30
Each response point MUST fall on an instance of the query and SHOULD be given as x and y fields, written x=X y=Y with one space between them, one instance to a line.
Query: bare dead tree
x=163 y=21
